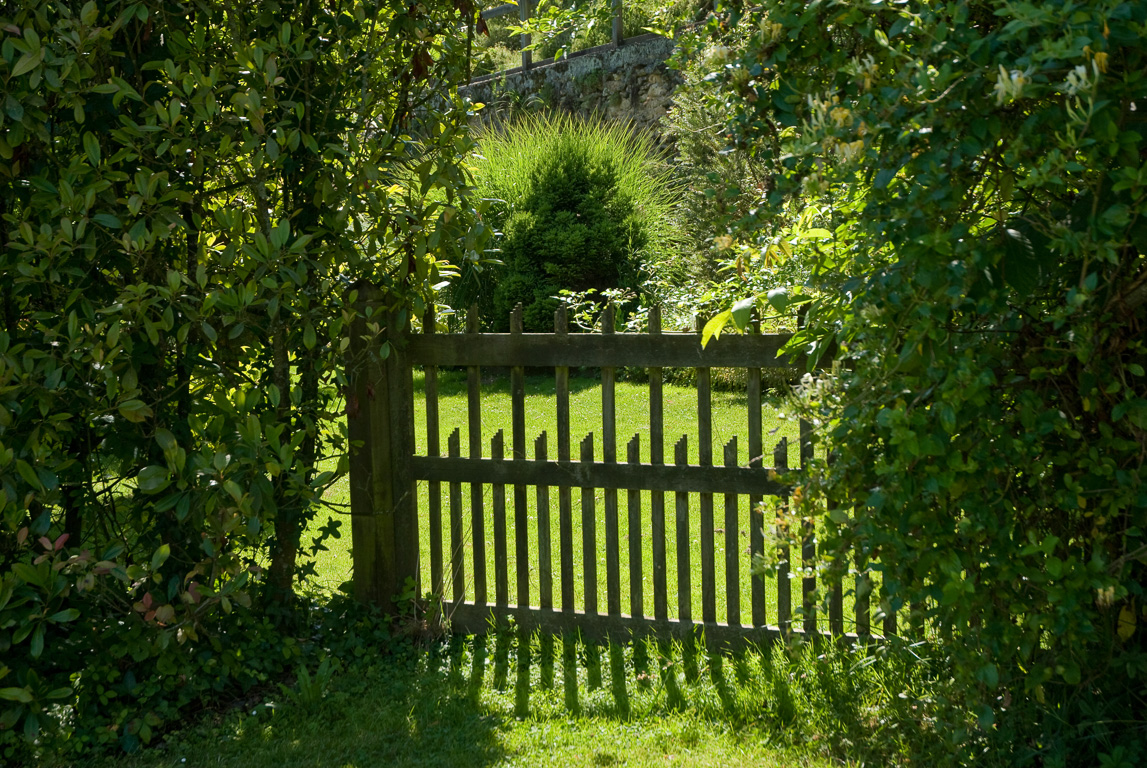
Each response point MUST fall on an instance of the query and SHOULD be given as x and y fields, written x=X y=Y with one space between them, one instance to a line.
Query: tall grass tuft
x=581 y=205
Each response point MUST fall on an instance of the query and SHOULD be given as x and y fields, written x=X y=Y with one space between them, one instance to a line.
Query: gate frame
x=384 y=518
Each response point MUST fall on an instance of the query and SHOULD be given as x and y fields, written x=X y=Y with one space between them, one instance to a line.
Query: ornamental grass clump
x=581 y=205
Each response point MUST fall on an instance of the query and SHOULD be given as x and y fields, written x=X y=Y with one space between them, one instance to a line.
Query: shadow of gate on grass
x=561 y=675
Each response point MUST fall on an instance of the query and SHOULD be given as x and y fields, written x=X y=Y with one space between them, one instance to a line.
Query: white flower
x=719 y=55
x=1010 y=85
x=850 y=150
x=865 y=71
x=1078 y=80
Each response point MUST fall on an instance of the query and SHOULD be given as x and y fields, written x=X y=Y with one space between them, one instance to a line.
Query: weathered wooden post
x=380 y=423
x=524 y=15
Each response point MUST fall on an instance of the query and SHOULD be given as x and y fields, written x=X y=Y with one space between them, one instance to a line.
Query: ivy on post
x=380 y=423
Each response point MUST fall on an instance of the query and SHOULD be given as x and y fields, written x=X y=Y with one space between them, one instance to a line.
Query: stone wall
x=629 y=83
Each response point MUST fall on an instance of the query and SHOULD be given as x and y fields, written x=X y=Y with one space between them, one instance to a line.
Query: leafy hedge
x=186 y=201
x=983 y=269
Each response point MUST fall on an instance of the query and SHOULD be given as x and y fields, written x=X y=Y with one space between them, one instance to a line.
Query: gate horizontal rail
x=673 y=478
x=584 y=350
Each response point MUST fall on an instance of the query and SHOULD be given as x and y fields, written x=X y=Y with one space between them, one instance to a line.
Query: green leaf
x=989 y=675
x=153 y=479
x=135 y=411
x=165 y=439
x=233 y=489
x=66 y=615
x=28 y=574
x=779 y=299
x=92 y=148
x=107 y=220
x=29 y=475
x=947 y=418
x=27 y=62
x=1070 y=672
x=1125 y=627
x=13 y=108
x=742 y=312
x=713 y=328
x=37 y=646
x=22 y=695
x=1021 y=266
x=160 y=556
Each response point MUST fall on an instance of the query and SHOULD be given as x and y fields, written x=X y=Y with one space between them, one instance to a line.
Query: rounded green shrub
x=581 y=205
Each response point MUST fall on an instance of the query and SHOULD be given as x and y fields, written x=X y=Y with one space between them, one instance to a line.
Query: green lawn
x=680 y=414
x=473 y=702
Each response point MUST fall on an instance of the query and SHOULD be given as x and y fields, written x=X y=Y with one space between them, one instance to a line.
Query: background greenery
x=564 y=27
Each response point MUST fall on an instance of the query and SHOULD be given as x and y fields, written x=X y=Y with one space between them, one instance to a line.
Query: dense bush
x=982 y=174
x=581 y=206
x=185 y=204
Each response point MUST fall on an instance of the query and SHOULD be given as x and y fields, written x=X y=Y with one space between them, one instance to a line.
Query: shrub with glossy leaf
x=186 y=199
x=984 y=271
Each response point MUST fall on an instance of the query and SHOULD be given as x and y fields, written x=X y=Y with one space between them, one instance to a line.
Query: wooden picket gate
x=386 y=527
